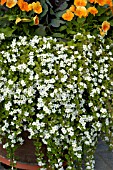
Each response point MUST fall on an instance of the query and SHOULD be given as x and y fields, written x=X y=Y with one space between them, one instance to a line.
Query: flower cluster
x=46 y=17
x=51 y=90
x=24 y=6
x=84 y=8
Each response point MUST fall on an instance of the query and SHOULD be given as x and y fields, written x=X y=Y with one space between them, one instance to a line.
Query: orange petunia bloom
x=68 y=16
x=101 y=2
x=37 y=8
x=80 y=2
x=11 y=3
x=92 y=10
x=105 y=26
x=23 y=5
x=36 y=20
x=81 y=12
x=72 y=8
x=2 y=2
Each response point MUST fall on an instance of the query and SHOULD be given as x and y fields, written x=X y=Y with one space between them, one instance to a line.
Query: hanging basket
x=25 y=155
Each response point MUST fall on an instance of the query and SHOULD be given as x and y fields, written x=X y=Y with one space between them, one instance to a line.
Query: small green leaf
x=59 y=14
x=58 y=35
x=49 y=3
x=52 y=12
x=55 y=23
x=62 y=7
x=111 y=22
x=81 y=20
x=62 y=28
x=45 y=7
x=40 y=31
x=100 y=11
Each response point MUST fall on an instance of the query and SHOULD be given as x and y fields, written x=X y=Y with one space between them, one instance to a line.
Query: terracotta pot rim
x=19 y=165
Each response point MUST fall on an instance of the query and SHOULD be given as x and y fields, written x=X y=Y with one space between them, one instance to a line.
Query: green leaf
x=42 y=2
x=12 y=17
x=103 y=18
x=56 y=22
x=58 y=35
x=100 y=11
x=25 y=28
x=45 y=7
x=59 y=14
x=111 y=22
x=62 y=28
x=49 y=3
x=81 y=20
x=62 y=7
x=52 y=12
x=40 y=31
x=71 y=32
x=7 y=31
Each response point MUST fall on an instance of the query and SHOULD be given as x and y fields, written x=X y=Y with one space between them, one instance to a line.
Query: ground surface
x=103 y=158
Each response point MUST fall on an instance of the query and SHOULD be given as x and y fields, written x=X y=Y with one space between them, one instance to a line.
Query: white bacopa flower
x=63 y=79
x=98 y=124
x=88 y=78
x=2 y=37
x=107 y=47
x=89 y=36
x=22 y=82
x=8 y=105
x=85 y=48
x=47 y=136
x=79 y=155
x=10 y=82
x=26 y=114
x=13 y=68
x=95 y=66
x=103 y=110
x=5 y=145
x=87 y=142
x=90 y=104
x=95 y=108
x=63 y=130
x=80 y=69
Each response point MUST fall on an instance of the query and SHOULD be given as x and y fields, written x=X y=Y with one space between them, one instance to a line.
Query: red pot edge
x=19 y=165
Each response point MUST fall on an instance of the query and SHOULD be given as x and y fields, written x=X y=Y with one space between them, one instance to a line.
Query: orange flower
x=102 y=33
x=2 y=2
x=81 y=12
x=30 y=7
x=101 y=2
x=109 y=2
x=37 y=7
x=23 y=5
x=105 y=26
x=36 y=20
x=68 y=16
x=72 y=8
x=92 y=1
x=92 y=10
x=80 y=2
x=11 y=3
